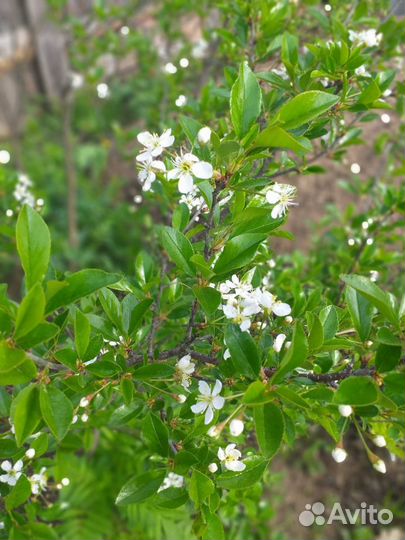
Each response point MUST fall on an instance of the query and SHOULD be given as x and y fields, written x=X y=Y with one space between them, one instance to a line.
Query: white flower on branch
x=369 y=37
x=209 y=400
x=154 y=144
x=230 y=458
x=186 y=167
x=13 y=472
x=148 y=171
x=172 y=480
x=38 y=482
x=185 y=368
x=282 y=196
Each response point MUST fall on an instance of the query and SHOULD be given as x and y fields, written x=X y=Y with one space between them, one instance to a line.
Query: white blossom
x=147 y=172
x=209 y=400
x=213 y=467
x=184 y=63
x=170 y=68
x=13 y=472
x=181 y=101
x=204 y=135
x=38 y=482
x=236 y=427
x=187 y=166
x=281 y=196
x=368 y=37
x=154 y=144
x=339 y=454
x=345 y=410
x=379 y=440
x=379 y=466
x=172 y=480
x=230 y=458
x=193 y=199
x=30 y=453
x=279 y=342
x=185 y=368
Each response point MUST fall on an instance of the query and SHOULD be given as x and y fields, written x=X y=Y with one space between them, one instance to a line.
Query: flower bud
x=204 y=135
x=379 y=466
x=379 y=440
x=213 y=467
x=339 y=454
x=181 y=398
x=345 y=410
x=236 y=427
x=30 y=453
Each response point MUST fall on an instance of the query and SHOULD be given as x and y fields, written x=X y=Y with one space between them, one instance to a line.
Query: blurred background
x=78 y=80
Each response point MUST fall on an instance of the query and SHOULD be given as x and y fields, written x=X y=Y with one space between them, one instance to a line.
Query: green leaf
x=154 y=371
x=244 y=479
x=137 y=315
x=201 y=487
x=243 y=351
x=82 y=333
x=246 y=99
x=112 y=307
x=361 y=312
x=316 y=336
x=190 y=126
x=56 y=409
x=30 y=312
x=19 y=494
x=305 y=107
x=171 y=497
x=356 y=391
x=15 y=366
x=370 y=93
x=238 y=252
x=330 y=322
x=372 y=292
x=157 y=434
x=208 y=297
x=269 y=424
x=178 y=248
x=33 y=245
x=214 y=529
x=140 y=487
x=295 y=355
x=387 y=357
x=42 y=333
x=277 y=137
x=25 y=413
x=77 y=286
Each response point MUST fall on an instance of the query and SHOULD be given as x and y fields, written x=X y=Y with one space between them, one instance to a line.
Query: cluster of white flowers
x=208 y=400
x=194 y=200
x=184 y=369
x=243 y=301
x=185 y=166
x=38 y=481
x=22 y=191
x=280 y=72
x=172 y=480
x=281 y=196
x=369 y=37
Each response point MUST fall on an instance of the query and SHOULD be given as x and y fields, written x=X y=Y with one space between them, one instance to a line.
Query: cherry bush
x=166 y=391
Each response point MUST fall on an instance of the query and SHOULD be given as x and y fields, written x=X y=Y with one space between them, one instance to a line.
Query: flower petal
x=19 y=465
x=218 y=402
x=235 y=466
x=221 y=454
x=202 y=169
x=199 y=407
x=186 y=183
x=209 y=415
x=217 y=388
x=145 y=138
x=281 y=309
x=204 y=389
x=272 y=197
x=6 y=466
